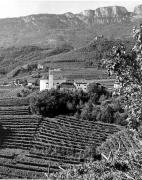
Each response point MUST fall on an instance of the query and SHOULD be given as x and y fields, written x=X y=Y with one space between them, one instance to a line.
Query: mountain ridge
x=78 y=29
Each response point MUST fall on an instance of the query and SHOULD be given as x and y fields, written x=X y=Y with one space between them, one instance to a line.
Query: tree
x=87 y=111
x=127 y=67
x=95 y=91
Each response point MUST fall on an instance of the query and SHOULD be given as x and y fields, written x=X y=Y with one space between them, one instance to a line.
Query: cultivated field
x=36 y=146
x=9 y=91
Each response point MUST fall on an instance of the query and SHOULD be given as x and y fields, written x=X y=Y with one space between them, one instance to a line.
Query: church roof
x=67 y=85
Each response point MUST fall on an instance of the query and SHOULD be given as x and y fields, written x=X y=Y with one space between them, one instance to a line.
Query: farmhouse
x=81 y=85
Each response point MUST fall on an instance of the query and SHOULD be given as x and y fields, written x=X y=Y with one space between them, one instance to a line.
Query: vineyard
x=8 y=110
x=20 y=124
x=14 y=102
x=36 y=146
x=21 y=128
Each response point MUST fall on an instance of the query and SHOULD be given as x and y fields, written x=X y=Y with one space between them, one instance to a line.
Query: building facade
x=43 y=84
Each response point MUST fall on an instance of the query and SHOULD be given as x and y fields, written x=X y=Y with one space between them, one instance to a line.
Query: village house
x=67 y=86
x=39 y=66
x=81 y=85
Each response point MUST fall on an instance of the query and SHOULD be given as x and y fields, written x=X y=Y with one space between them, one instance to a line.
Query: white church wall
x=43 y=84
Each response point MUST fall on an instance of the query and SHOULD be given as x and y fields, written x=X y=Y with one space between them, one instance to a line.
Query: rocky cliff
x=106 y=15
x=138 y=10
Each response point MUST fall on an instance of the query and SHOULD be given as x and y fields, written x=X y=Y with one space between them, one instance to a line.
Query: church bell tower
x=51 y=83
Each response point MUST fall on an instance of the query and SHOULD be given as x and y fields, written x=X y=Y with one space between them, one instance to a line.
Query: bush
x=26 y=92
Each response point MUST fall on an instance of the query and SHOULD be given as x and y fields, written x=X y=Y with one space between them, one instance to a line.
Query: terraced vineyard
x=15 y=117
x=22 y=128
x=14 y=102
x=38 y=146
x=66 y=138
x=19 y=164
x=14 y=151
x=20 y=110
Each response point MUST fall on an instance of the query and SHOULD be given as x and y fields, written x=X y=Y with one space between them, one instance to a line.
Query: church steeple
x=51 y=81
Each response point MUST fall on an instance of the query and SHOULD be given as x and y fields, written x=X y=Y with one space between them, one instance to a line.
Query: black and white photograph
x=71 y=89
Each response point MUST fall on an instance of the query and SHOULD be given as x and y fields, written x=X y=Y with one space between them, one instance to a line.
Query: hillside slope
x=12 y=57
x=23 y=61
x=89 y=55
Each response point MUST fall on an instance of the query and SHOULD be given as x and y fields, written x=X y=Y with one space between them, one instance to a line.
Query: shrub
x=3 y=133
x=26 y=91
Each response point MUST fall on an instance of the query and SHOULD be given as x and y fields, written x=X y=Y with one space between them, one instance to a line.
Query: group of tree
x=97 y=104
x=54 y=102
x=108 y=111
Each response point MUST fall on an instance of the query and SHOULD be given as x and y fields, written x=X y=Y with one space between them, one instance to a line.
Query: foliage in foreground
x=127 y=67
x=119 y=164
x=123 y=167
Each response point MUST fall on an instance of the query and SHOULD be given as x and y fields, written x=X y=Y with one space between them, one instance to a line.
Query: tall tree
x=127 y=68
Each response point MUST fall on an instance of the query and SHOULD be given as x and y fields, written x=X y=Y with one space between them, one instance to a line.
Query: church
x=62 y=84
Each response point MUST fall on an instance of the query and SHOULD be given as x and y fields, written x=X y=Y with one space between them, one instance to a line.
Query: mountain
x=138 y=10
x=52 y=30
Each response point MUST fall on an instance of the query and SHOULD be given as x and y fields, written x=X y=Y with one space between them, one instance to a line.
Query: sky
x=16 y=8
